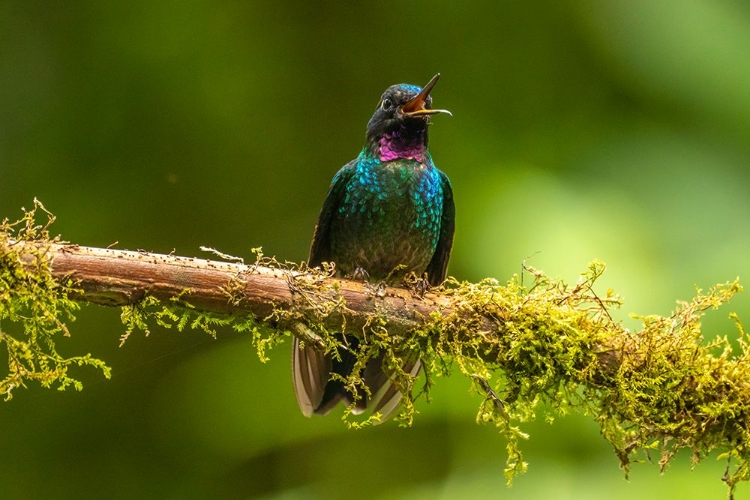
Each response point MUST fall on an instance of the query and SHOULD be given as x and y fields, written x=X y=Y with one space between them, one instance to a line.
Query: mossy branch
x=547 y=346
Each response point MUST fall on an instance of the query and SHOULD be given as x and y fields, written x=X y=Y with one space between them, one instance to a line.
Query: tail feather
x=310 y=369
x=387 y=399
x=317 y=393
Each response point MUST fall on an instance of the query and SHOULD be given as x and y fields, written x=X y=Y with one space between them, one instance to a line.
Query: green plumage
x=380 y=216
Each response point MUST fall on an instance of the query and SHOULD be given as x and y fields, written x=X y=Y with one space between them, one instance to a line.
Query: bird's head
x=399 y=124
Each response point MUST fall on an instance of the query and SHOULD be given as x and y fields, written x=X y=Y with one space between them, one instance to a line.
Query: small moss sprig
x=38 y=304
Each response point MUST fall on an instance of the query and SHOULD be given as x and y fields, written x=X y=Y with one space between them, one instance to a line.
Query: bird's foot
x=360 y=274
x=417 y=285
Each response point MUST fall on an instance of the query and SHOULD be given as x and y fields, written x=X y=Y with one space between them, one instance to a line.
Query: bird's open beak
x=416 y=108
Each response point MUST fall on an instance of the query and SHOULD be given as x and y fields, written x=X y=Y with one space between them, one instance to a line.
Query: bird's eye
x=387 y=104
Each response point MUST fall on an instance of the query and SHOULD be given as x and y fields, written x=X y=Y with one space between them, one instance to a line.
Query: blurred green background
x=616 y=130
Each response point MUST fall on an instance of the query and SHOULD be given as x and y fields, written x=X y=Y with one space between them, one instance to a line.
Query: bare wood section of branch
x=113 y=277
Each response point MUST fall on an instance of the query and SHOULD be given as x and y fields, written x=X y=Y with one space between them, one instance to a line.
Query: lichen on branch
x=538 y=348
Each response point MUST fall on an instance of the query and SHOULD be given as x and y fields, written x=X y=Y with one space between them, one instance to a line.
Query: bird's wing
x=438 y=266
x=311 y=368
x=320 y=250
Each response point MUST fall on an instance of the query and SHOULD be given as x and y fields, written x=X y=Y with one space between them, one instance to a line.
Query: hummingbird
x=388 y=213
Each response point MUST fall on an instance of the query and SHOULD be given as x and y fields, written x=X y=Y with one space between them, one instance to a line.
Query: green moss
x=40 y=305
x=543 y=348
x=553 y=348
x=556 y=346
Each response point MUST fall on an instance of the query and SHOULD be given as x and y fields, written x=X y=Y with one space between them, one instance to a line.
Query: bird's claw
x=360 y=274
x=417 y=285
